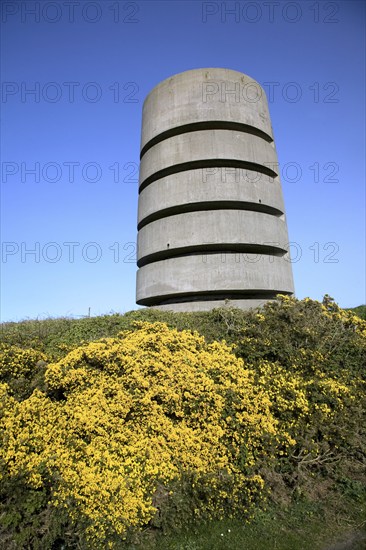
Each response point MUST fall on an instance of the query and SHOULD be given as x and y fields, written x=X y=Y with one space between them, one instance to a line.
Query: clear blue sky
x=92 y=63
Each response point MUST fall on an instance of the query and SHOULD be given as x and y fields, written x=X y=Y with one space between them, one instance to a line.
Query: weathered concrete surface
x=251 y=275
x=204 y=95
x=209 y=184
x=204 y=145
x=219 y=227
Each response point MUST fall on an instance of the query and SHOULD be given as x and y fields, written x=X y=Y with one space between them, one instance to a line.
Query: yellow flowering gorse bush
x=125 y=417
x=16 y=362
x=155 y=427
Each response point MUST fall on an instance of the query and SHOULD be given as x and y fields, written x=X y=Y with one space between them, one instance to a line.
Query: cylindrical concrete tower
x=211 y=223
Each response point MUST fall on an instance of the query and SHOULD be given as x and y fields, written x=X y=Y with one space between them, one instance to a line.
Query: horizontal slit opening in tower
x=205 y=125
x=207 y=206
x=211 y=295
x=212 y=248
x=207 y=163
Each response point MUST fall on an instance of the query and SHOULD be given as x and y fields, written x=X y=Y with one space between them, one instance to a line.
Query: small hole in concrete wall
x=260 y=200
x=167 y=245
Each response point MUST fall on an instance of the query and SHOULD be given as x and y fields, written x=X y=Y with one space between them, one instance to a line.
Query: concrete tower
x=211 y=222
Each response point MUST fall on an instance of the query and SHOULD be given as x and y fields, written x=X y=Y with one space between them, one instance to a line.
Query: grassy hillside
x=50 y=335
x=136 y=430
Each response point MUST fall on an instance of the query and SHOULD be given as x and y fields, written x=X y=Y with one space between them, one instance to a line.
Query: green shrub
x=107 y=433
